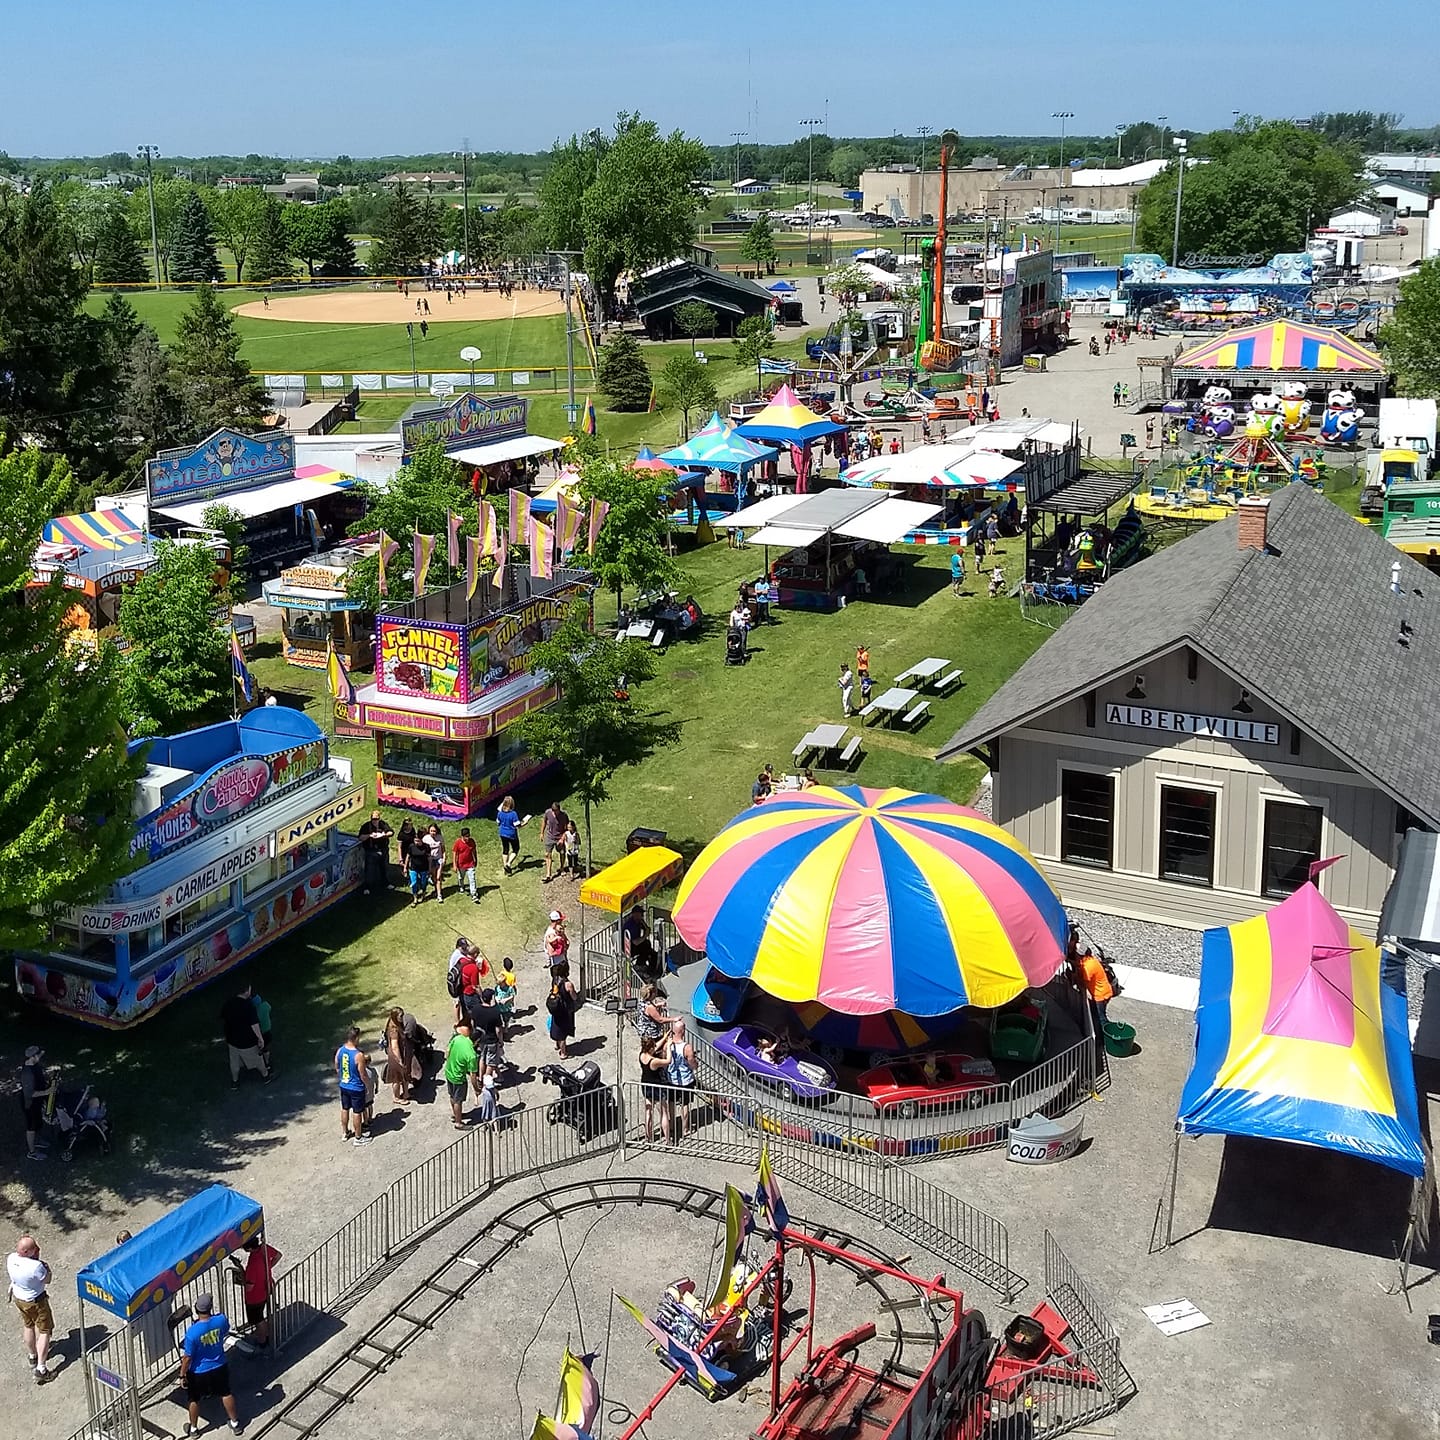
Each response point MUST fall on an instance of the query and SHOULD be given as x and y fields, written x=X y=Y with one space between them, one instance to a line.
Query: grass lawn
x=533 y=342
x=370 y=953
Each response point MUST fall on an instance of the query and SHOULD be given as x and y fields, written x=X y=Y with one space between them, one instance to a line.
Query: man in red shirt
x=259 y=1274
x=463 y=853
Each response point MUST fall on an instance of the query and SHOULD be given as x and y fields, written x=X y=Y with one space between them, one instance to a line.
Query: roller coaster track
x=409 y=1320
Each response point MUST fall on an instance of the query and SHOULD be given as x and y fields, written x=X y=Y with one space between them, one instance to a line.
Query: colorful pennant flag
x=240 y=670
x=708 y=1377
x=472 y=566
x=579 y=1394
x=548 y=1428
x=587 y=418
x=424 y=548
x=388 y=550
x=599 y=509
x=489 y=528
x=452 y=535
x=501 y=550
x=541 y=539
x=769 y=1202
x=519 y=515
x=341 y=686
x=567 y=522
x=317 y=535
x=737 y=1227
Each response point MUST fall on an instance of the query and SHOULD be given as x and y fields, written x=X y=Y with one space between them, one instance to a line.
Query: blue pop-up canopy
x=166 y=1256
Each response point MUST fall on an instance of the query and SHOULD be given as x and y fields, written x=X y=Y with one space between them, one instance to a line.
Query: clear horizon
x=351 y=80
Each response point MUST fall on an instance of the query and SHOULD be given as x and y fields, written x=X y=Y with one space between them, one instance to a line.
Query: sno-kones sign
x=228 y=461
x=466 y=420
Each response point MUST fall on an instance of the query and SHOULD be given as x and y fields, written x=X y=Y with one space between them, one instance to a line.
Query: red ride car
x=926 y=1080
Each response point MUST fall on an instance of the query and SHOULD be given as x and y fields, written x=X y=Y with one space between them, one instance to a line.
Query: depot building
x=1219 y=717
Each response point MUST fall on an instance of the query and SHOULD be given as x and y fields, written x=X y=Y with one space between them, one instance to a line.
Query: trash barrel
x=1119 y=1039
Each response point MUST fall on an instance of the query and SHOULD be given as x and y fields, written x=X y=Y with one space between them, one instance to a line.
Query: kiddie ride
x=1092 y=555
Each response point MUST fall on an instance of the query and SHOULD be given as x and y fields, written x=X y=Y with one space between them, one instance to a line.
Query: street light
x=736 y=136
x=150 y=152
x=1062 y=116
x=811 y=126
x=465 y=194
x=1164 y=131
x=1181 y=146
x=1119 y=139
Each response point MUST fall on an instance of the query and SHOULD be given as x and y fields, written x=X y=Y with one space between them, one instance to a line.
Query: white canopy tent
x=796 y=520
x=519 y=448
x=262 y=500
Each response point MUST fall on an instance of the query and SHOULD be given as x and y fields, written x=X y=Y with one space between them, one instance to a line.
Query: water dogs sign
x=226 y=462
x=466 y=420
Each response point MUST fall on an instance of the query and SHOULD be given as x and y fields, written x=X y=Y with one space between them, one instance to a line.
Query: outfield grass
x=371 y=953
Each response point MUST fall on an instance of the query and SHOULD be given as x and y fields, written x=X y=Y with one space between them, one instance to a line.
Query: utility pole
x=810 y=125
x=150 y=152
x=1062 y=116
x=571 y=410
x=924 y=132
x=1181 y=146
x=1164 y=131
x=465 y=193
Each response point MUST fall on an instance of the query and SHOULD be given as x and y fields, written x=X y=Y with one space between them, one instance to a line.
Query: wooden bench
x=915 y=716
x=851 y=751
x=946 y=681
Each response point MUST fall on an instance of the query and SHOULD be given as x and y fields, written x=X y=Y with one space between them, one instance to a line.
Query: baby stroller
x=735 y=653
x=75 y=1113
x=584 y=1104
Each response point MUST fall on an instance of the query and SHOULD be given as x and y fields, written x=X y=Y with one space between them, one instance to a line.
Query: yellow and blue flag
x=388 y=550
x=737 y=1227
x=769 y=1202
x=587 y=418
x=243 y=678
x=424 y=548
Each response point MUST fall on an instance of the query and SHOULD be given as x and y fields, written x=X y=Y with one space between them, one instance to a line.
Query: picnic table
x=891 y=702
x=825 y=739
x=933 y=673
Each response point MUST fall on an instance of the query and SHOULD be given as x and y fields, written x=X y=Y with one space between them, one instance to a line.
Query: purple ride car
x=802 y=1072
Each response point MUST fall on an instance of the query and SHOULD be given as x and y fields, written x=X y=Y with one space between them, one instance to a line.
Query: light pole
x=150 y=152
x=737 y=136
x=571 y=410
x=924 y=131
x=1062 y=116
x=1181 y=146
x=810 y=125
x=1164 y=131
x=465 y=198
x=1119 y=140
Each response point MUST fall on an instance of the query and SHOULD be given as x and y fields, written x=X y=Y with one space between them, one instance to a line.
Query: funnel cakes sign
x=421 y=659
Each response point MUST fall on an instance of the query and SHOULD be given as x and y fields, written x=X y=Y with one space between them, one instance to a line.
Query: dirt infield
x=388 y=307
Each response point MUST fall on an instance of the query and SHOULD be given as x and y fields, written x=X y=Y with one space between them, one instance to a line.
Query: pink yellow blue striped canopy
x=1300 y=1037
x=873 y=900
x=95 y=530
x=1280 y=345
x=787 y=419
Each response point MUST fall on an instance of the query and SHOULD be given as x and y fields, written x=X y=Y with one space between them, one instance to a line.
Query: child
x=572 y=849
x=506 y=989
x=997 y=581
x=866 y=685
x=489 y=1111
x=463 y=854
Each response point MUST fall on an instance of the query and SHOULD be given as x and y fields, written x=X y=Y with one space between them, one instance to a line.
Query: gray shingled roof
x=1310 y=625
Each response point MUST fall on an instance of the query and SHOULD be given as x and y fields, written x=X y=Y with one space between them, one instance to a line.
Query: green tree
x=236 y=216
x=68 y=781
x=120 y=327
x=56 y=387
x=192 y=247
x=846 y=163
x=1411 y=339
x=754 y=340
x=569 y=174
x=419 y=497
x=758 y=246
x=170 y=198
x=429 y=230
x=176 y=673
x=270 y=251
x=229 y=522
x=595 y=728
x=119 y=260
x=215 y=384
x=86 y=211
x=149 y=413
x=318 y=235
x=686 y=384
x=631 y=548
x=693 y=319
x=641 y=207
x=622 y=374
x=1261 y=188
x=397 y=245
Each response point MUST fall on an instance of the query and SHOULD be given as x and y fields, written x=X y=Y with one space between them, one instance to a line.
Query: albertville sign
x=1179 y=722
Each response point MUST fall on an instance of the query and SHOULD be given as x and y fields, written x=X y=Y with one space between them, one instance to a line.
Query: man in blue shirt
x=203 y=1366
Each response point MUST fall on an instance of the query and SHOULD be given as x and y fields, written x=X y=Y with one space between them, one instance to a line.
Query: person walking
x=258 y=1273
x=552 y=837
x=35 y=1089
x=957 y=570
x=572 y=850
x=203 y=1367
x=680 y=1075
x=846 y=682
x=243 y=1037
x=463 y=854
x=460 y=1061
x=29 y=1278
x=375 y=836
x=1097 y=984
x=399 y=1056
x=435 y=844
x=417 y=866
x=1115 y=393
x=560 y=1005
x=352 y=1067
x=1149 y=431
x=507 y=987
x=487 y=1030
x=557 y=942
x=508 y=822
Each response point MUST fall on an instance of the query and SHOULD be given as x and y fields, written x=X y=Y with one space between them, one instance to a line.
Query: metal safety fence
x=525 y=379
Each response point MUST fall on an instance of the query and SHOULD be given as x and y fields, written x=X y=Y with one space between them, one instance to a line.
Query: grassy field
x=373 y=952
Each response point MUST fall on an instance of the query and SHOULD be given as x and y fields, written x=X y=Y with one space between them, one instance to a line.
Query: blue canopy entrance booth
x=144 y=1277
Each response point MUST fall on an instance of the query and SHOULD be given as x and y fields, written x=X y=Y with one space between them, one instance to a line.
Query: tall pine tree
x=270 y=250
x=215 y=384
x=192 y=247
x=119 y=260
x=65 y=803
x=397 y=247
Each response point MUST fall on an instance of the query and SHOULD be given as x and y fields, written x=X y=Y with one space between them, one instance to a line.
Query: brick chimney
x=1254 y=520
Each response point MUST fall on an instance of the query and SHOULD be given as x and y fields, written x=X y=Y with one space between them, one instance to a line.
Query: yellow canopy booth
x=616 y=890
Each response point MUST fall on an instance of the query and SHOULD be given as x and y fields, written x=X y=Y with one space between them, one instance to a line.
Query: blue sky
x=316 y=77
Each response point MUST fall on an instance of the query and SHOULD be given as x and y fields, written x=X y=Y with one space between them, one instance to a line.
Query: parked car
x=762 y=1054
x=926 y=1081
